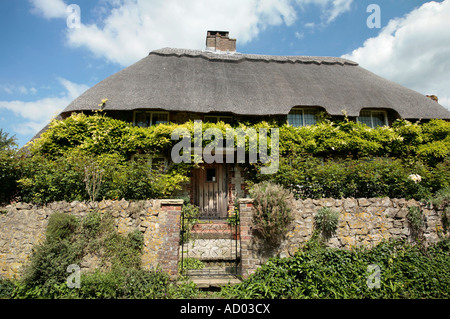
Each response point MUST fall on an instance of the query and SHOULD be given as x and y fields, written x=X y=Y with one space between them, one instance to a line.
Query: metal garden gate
x=210 y=247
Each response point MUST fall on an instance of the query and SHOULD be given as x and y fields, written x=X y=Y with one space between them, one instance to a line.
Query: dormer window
x=373 y=118
x=149 y=118
x=302 y=117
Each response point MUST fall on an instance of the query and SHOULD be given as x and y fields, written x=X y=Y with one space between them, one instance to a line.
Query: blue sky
x=46 y=62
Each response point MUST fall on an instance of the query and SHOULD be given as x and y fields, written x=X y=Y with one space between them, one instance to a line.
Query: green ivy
x=329 y=159
x=406 y=271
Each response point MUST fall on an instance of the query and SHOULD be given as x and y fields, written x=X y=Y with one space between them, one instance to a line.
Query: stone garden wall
x=23 y=225
x=362 y=222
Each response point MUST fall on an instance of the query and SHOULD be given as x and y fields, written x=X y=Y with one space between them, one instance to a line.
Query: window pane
x=159 y=118
x=295 y=118
x=310 y=117
x=141 y=119
x=158 y=163
x=378 y=119
x=225 y=119
x=211 y=119
x=365 y=118
x=211 y=175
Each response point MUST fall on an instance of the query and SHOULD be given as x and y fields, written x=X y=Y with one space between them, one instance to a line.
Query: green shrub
x=10 y=172
x=309 y=177
x=91 y=224
x=45 y=180
x=190 y=214
x=326 y=221
x=442 y=201
x=6 y=288
x=68 y=240
x=273 y=207
x=61 y=226
x=75 y=176
x=48 y=266
x=407 y=271
x=416 y=221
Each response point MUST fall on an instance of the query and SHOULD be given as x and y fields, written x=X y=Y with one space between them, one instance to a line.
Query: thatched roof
x=247 y=84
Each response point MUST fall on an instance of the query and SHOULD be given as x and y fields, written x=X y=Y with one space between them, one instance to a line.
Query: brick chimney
x=219 y=41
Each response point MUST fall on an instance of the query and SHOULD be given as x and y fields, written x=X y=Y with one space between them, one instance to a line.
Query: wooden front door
x=209 y=184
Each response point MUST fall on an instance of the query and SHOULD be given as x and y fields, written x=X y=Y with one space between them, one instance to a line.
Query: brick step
x=213 y=230
x=216 y=226
x=213 y=235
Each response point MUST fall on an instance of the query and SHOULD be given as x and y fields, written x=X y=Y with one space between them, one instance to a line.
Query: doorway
x=210 y=194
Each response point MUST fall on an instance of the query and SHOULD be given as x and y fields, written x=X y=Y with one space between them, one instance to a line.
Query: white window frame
x=219 y=118
x=303 y=109
x=151 y=116
x=386 y=123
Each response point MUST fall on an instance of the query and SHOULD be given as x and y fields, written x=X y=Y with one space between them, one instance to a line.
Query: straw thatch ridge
x=249 y=84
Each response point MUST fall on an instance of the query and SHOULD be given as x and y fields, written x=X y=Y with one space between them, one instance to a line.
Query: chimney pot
x=433 y=97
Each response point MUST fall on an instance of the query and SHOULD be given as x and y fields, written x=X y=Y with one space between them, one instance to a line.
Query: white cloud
x=132 y=28
x=37 y=114
x=413 y=51
x=49 y=8
x=299 y=35
x=338 y=7
x=12 y=89
x=331 y=9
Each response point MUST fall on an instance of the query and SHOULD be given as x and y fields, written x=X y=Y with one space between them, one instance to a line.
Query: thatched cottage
x=220 y=84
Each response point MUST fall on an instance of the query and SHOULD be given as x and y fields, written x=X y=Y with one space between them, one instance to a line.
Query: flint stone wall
x=364 y=221
x=23 y=225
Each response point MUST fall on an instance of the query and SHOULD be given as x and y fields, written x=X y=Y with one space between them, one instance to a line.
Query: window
x=373 y=118
x=302 y=117
x=215 y=119
x=146 y=119
x=211 y=175
x=156 y=163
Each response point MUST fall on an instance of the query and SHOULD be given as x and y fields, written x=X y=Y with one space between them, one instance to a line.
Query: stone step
x=214 y=282
x=211 y=249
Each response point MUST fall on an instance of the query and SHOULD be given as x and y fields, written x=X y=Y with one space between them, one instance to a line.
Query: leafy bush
x=272 y=215
x=68 y=240
x=124 y=283
x=10 y=171
x=309 y=177
x=6 y=288
x=415 y=220
x=61 y=226
x=326 y=221
x=442 y=201
x=190 y=215
x=120 y=275
x=407 y=271
x=45 y=180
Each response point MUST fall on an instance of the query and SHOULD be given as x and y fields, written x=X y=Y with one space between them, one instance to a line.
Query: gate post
x=248 y=261
x=168 y=256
